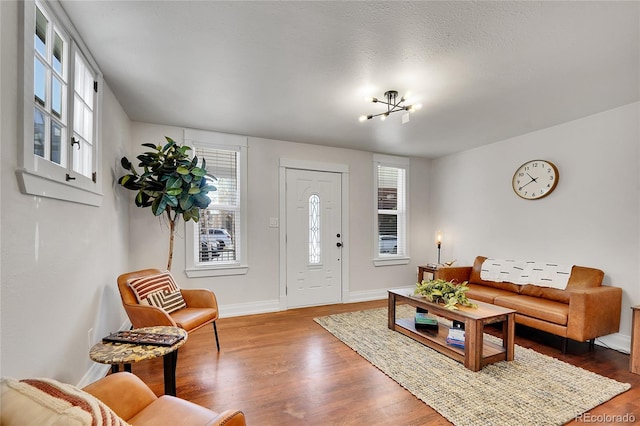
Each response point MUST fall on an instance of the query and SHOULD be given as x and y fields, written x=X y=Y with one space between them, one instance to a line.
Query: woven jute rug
x=533 y=389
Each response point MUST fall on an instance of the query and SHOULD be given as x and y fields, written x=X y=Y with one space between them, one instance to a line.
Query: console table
x=128 y=353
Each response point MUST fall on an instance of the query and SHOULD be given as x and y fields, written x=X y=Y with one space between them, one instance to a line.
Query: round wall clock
x=535 y=179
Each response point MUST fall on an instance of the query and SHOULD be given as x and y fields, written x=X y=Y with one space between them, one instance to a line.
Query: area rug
x=531 y=389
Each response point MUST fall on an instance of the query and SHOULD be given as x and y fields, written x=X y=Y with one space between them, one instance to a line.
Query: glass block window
x=314 y=229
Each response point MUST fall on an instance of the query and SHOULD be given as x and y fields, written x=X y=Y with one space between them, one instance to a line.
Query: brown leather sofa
x=583 y=311
x=113 y=400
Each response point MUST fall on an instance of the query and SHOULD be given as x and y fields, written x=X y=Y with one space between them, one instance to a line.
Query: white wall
x=59 y=259
x=259 y=288
x=591 y=219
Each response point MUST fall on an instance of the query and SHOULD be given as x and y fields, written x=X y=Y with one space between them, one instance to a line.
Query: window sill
x=391 y=261
x=216 y=271
x=34 y=184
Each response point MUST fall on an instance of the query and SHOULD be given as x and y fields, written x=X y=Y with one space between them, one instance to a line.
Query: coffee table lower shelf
x=477 y=351
x=491 y=352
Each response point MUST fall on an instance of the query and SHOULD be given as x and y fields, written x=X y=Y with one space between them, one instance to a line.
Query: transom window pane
x=314 y=229
x=56 y=141
x=40 y=39
x=39 y=82
x=58 y=52
x=38 y=133
x=56 y=97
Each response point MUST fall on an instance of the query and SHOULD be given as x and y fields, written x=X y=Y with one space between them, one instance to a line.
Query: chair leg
x=215 y=329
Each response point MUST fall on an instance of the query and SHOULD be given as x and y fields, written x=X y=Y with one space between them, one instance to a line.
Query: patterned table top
x=128 y=353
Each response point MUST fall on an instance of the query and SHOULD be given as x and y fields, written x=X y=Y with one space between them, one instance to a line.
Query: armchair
x=134 y=402
x=201 y=307
x=117 y=399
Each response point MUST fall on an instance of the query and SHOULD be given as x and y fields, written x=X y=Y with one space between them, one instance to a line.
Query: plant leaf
x=198 y=172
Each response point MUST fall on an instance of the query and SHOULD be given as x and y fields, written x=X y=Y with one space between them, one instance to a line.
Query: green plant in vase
x=171 y=183
x=446 y=292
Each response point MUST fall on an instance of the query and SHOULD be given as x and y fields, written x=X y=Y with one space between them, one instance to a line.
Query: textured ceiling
x=299 y=71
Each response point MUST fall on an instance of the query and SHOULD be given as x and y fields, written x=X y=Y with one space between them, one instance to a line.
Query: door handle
x=338 y=244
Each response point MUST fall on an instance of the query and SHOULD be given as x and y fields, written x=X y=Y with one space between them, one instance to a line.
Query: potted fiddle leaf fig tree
x=170 y=182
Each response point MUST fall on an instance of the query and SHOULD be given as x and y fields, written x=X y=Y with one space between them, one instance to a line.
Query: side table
x=429 y=269
x=634 y=359
x=128 y=353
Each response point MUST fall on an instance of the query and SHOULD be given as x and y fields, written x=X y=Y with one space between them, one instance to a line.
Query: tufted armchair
x=201 y=306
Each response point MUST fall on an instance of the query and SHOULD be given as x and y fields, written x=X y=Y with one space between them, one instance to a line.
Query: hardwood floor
x=284 y=369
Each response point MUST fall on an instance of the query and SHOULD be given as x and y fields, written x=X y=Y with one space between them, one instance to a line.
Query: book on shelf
x=456 y=337
x=426 y=321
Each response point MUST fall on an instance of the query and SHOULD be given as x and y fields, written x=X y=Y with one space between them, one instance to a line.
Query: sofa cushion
x=158 y=290
x=474 y=277
x=484 y=293
x=544 y=309
x=47 y=402
x=581 y=277
x=545 y=293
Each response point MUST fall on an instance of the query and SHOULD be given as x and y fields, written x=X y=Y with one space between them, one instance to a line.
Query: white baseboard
x=249 y=308
x=617 y=341
x=368 y=295
x=97 y=371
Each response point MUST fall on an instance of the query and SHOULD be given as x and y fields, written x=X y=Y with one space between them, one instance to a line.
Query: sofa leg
x=565 y=340
x=592 y=344
x=215 y=329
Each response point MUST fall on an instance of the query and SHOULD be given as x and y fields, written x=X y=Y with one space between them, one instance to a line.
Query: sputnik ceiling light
x=393 y=105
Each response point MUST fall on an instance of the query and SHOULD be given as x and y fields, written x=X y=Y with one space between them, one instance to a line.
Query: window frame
x=37 y=175
x=402 y=257
x=226 y=141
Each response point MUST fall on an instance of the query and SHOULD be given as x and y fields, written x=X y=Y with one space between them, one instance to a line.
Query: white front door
x=313 y=237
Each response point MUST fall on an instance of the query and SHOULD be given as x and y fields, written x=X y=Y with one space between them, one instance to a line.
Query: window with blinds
x=219 y=227
x=391 y=200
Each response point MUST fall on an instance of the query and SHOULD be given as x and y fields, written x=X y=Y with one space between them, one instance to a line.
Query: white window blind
x=219 y=228
x=391 y=204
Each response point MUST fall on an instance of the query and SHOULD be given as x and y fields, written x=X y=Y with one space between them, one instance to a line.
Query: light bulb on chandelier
x=393 y=105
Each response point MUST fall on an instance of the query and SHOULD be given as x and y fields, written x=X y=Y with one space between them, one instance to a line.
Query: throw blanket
x=526 y=272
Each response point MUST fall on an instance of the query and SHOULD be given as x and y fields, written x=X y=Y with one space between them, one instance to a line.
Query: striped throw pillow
x=169 y=301
x=158 y=290
x=47 y=401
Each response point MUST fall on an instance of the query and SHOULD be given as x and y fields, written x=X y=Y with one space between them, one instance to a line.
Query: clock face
x=535 y=179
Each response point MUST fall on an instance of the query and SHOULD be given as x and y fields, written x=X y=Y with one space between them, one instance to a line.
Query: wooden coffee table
x=128 y=353
x=477 y=351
